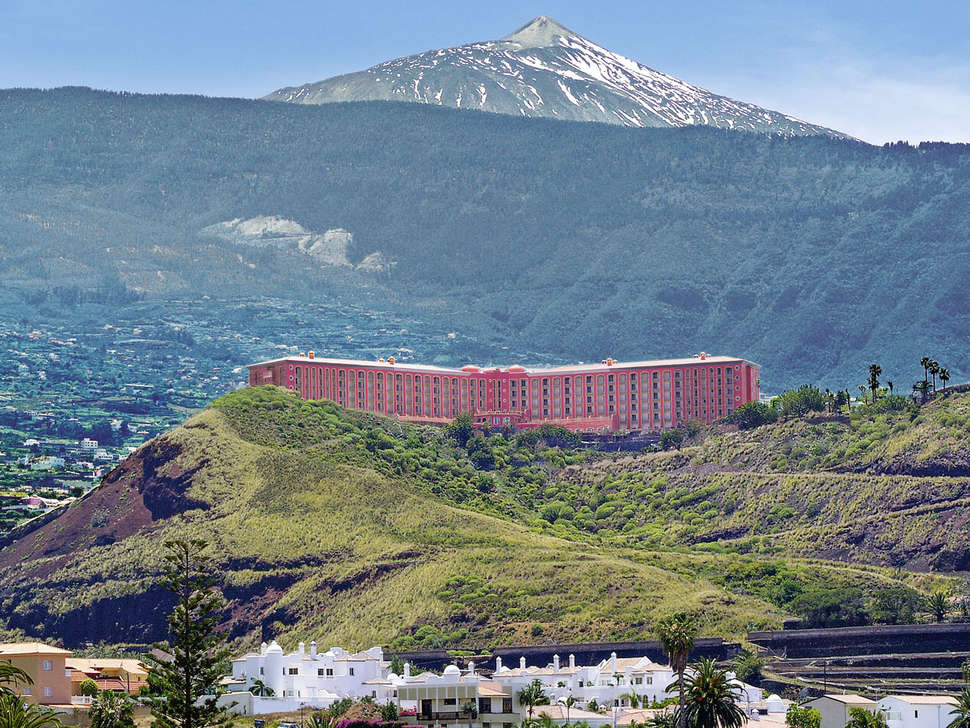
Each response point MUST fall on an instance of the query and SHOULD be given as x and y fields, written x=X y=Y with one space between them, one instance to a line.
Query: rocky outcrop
x=330 y=248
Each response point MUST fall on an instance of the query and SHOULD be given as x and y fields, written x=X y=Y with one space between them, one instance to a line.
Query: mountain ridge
x=545 y=69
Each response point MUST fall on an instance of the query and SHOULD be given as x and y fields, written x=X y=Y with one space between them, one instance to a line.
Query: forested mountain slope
x=812 y=256
x=355 y=529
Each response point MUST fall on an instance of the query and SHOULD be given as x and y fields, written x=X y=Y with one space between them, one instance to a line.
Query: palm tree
x=862 y=718
x=15 y=713
x=961 y=711
x=12 y=676
x=633 y=698
x=944 y=376
x=874 y=371
x=112 y=710
x=712 y=698
x=470 y=708
x=921 y=387
x=532 y=695
x=925 y=362
x=261 y=689
x=934 y=369
x=862 y=392
x=677 y=634
x=567 y=702
x=889 y=383
x=663 y=719
x=965 y=669
x=938 y=603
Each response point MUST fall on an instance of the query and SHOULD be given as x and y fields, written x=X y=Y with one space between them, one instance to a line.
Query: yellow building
x=109 y=673
x=46 y=667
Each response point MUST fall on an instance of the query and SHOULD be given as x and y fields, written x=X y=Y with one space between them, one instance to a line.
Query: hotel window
x=47 y=665
x=507 y=707
x=47 y=692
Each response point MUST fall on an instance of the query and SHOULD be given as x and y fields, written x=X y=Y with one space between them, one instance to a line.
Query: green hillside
x=811 y=256
x=354 y=529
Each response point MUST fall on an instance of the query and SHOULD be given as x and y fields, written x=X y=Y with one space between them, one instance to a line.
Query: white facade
x=918 y=711
x=834 y=709
x=307 y=677
x=612 y=682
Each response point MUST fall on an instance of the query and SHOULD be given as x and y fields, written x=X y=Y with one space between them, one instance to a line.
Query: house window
x=329 y=672
x=261 y=671
x=484 y=705
x=450 y=701
x=294 y=671
x=351 y=671
x=47 y=665
x=47 y=692
x=320 y=672
x=27 y=690
x=506 y=706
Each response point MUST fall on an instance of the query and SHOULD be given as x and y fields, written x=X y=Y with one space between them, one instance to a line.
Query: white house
x=621 y=682
x=918 y=711
x=835 y=708
x=306 y=678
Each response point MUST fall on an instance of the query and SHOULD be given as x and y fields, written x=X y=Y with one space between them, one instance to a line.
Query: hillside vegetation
x=578 y=240
x=350 y=528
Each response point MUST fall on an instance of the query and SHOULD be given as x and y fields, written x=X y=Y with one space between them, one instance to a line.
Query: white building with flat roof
x=918 y=711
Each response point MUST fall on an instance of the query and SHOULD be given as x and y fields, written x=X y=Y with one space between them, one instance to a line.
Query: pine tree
x=188 y=682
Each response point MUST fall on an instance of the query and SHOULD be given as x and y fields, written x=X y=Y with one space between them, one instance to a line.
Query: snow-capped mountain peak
x=545 y=69
x=539 y=32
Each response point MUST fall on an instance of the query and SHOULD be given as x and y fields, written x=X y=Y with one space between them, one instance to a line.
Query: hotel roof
x=515 y=369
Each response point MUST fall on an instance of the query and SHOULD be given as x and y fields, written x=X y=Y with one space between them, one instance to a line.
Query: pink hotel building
x=610 y=396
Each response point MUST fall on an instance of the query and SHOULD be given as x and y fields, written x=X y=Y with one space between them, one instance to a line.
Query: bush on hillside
x=753 y=414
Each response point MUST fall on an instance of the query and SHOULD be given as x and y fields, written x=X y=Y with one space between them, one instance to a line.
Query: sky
x=880 y=71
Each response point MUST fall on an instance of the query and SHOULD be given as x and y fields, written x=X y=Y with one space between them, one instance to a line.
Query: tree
x=470 y=708
x=894 y=605
x=889 y=384
x=938 y=603
x=862 y=718
x=925 y=363
x=390 y=713
x=633 y=698
x=261 y=689
x=532 y=695
x=921 y=388
x=664 y=719
x=712 y=698
x=676 y=634
x=672 y=439
x=934 y=369
x=944 y=376
x=826 y=607
x=874 y=372
x=397 y=665
x=796 y=717
x=965 y=669
x=88 y=688
x=461 y=428
x=189 y=680
x=961 y=711
x=747 y=664
x=567 y=702
x=112 y=710
x=753 y=414
x=12 y=676
x=15 y=713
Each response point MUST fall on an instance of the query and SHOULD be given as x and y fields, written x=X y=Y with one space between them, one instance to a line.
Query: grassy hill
x=354 y=529
x=578 y=240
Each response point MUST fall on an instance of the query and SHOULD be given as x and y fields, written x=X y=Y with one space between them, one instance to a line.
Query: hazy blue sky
x=878 y=70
